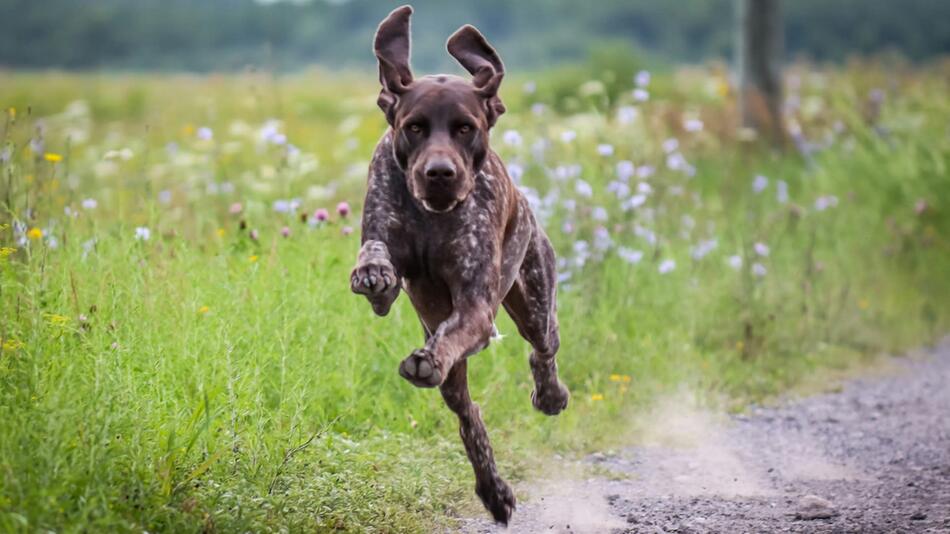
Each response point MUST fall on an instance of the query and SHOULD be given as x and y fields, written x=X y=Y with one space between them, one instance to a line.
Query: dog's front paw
x=498 y=499
x=421 y=369
x=373 y=277
x=550 y=400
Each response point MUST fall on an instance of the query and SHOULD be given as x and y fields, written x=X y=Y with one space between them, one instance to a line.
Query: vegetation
x=231 y=34
x=181 y=351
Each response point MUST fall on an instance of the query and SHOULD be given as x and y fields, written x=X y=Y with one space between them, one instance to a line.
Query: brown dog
x=444 y=222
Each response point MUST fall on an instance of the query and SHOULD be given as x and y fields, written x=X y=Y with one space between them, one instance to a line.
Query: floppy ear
x=392 y=50
x=469 y=47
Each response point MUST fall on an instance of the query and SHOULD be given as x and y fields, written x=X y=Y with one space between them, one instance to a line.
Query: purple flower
x=343 y=208
x=235 y=208
x=346 y=230
x=321 y=215
x=285 y=231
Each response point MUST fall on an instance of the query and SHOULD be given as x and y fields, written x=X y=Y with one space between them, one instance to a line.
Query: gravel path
x=872 y=457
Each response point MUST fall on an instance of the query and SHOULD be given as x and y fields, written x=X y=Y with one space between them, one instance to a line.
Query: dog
x=444 y=222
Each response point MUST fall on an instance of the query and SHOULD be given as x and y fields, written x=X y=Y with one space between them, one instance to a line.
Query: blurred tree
x=759 y=61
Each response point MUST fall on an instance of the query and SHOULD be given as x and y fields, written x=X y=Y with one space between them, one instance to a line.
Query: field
x=181 y=352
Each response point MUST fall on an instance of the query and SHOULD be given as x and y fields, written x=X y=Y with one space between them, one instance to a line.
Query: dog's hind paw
x=550 y=401
x=421 y=369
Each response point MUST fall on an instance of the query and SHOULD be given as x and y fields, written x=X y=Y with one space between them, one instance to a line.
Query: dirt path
x=872 y=457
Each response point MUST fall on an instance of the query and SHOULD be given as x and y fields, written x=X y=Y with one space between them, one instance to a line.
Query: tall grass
x=218 y=375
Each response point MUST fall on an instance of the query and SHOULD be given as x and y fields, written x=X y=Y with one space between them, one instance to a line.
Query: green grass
x=161 y=384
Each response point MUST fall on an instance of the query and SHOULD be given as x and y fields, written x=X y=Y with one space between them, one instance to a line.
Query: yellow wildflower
x=625 y=378
x=740 y=345
x=56 y=319
x=864 y=304
x=6 y=251
x=10 y=345
x=253 y=258
x=615 y=378
x=597 y=397
x=11 y=111
x=220 y=232
x=35 y=233
x=204 y=309
x=188 y=129
x=52 y=157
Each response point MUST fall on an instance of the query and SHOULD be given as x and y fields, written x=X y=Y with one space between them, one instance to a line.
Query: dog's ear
x=470 y=48
x=392 y=50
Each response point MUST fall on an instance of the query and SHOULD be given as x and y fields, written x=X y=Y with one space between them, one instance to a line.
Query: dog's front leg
x=375 y=277
x=466 y=331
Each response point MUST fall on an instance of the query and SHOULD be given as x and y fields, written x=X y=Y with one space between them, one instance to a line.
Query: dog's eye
x=415 y=128
x=464 y=129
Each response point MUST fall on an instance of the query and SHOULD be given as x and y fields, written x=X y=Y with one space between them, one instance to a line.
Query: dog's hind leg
x=532 y=305
x=494 y=492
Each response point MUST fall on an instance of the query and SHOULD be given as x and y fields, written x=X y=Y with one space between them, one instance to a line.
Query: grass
x=202 y=379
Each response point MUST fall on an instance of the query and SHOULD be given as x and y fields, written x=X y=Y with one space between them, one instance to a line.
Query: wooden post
x=759 y=50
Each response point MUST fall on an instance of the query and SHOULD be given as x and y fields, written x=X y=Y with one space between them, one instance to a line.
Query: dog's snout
x=440 y=169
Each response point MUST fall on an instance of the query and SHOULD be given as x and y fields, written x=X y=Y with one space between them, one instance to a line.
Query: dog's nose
x=440 y=169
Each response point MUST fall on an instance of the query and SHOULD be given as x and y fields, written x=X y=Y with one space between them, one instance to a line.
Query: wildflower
x=235 y=208
x=824 y=202
x=920 y=206
x=346 y=230
x=11 y=111
x=142 y=233
x=90 y=204
x=605 y=149
x=511 y=138
x=52 y=157
x=205 y=133
x=203 y=310
x=670 y=145
x=597 y=397
x=11 y=345
x=759 y=270
x=567 y=227
x=529 y=87
x=618 y=188
x=538 y=109
x=693 y=125
x=252 y=258
x=321 y=215
x=641 y=95
x=630 y=255
x=6 y=251
x=642 y=79
x=634 y=202
x=735 y=261
x=759 y=183
x=57 y=320
x=599 y=213
x=253 y=234
x=644 y=188
x=6 y=154
x=761 y=249
x=516 y=171
x=343 y=208
x=645 y=171
x=781 y=191
x=220 y=232
x=286 y=206
x=568 y=136
x=627 y=114
x=165 y=196
x=703 y=248
x=34 y=234
x=625 y=170
x=583 y=188
x=602 y=239
x=285 y=231
x=666 y=266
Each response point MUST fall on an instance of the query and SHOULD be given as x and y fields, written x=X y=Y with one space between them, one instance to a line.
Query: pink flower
x=253 y=234
x=347 y=230
x=285 y=231
x=235 y=208
x=343 y=209
x=321 y=215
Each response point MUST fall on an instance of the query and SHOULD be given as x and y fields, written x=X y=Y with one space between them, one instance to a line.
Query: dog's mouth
x=439 y=206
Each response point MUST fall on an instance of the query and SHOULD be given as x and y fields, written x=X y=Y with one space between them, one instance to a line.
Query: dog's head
x=440 y=123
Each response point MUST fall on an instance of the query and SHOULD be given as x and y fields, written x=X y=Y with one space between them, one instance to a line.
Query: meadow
x=181 y=352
